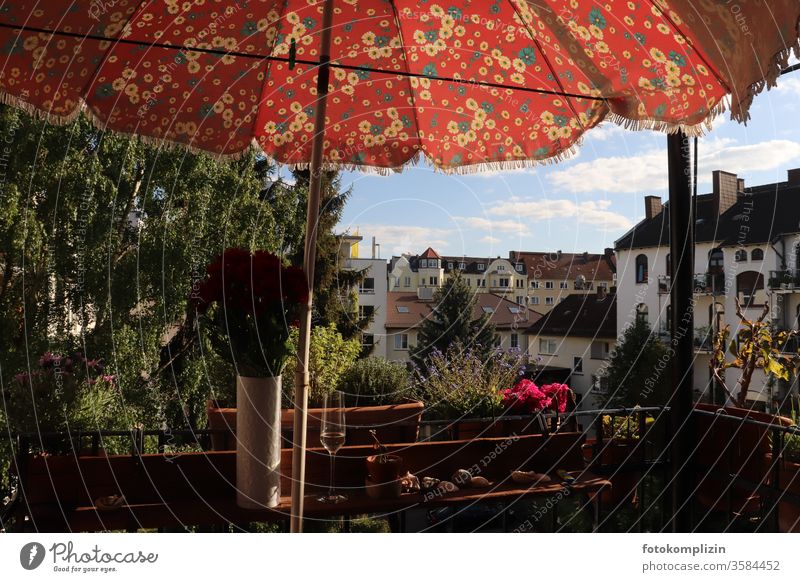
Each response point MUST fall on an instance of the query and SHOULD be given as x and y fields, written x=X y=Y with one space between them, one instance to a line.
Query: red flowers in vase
x=526 y=396
x=248 y=302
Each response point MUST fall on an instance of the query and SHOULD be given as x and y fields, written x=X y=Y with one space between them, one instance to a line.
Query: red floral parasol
x=462 y=82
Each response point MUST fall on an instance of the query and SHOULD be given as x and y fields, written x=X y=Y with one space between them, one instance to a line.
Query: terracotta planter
x=386 y=472
x=732 y=448
x=617 y=453
x=395 y=423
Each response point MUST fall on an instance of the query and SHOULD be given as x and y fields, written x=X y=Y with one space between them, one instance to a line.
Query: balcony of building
x=786 y=280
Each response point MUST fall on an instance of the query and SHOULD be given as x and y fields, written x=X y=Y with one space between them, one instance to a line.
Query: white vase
x=258 y=442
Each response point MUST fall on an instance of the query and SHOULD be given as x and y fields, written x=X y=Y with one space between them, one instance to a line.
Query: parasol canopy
x=464 y=83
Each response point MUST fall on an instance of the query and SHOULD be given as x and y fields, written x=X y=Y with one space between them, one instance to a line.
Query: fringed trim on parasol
x=741 y=111
x=475 y=168
x=696 y=130
x=83 y=108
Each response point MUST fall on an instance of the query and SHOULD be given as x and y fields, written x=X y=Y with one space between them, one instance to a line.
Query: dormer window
x=462 y=266
x=481 y=266
x=423 y=263
x=518 y=267
x=501 y=267
x=433 y=263
x=450 y=265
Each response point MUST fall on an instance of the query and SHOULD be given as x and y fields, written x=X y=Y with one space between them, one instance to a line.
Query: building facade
x=747 y=248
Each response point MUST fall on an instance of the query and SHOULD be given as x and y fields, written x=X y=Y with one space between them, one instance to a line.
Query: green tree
x=452 y=323
x=638 y=372
x=335 y=299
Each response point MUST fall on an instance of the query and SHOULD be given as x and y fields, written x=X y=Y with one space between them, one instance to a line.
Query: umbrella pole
x=301 y=381
x=681 y=225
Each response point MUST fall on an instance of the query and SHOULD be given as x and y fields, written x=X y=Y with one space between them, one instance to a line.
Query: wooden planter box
x=394 y=423
x=731 y=448
x=493 y=427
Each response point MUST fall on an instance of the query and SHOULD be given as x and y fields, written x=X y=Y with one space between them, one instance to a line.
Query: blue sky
x=581 y=204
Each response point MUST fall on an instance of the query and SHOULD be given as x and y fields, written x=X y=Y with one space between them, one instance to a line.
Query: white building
x=747 y=242
x=372 y=291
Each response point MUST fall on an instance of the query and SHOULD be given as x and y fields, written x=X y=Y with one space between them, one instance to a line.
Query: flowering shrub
x=249 y=302
x=460 y=383
x=526 y=396
x=60 y=393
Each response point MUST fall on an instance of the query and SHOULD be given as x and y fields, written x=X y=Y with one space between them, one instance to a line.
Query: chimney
x=601 y=293
x=740 y=185
x=726 y=189
x=609 y=252
x=374 y=248
x=794 y=177
x=652 y=206
x=585 y=257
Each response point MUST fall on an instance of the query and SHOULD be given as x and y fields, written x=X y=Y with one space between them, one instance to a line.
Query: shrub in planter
x=460 y=384
x=375 y=381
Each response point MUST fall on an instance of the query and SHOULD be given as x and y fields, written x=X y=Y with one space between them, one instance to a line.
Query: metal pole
x=681 y=225
x=309 y=258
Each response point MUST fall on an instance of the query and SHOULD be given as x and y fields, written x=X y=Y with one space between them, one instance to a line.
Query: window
x=469 y=282
x=518 y=267
x=534 y=284
x=396 y=283
x=641 y=269
x=577 y=364
x=481 y=282
x=433 y=263
x=407 y=282
x=515 y=310
x=481 y=266
x=367 y=341
x=434 y=280
x=740 y=256
x=488 y=309
x=501 y=267
x=450 y=265
x=668 y=270
x=549 y=301
x=401 y=341
x=462 y=266
x=600 y=350
x=534 y=300
x=548 y=285
x=403 y=309
x=757 y=255
x=423 y=263
x=547 y=346
x=641 y=313
x=563 y=285
x=365 y=311
x=520 y=300
x=747 y=284
x=520 y=284
x=504 y=282
x=367 y=286
x=514 y=340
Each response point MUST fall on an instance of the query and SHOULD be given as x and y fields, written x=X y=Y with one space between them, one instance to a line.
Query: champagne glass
x=331 y=436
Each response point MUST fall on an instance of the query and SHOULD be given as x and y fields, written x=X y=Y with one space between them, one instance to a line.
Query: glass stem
x=330 y=487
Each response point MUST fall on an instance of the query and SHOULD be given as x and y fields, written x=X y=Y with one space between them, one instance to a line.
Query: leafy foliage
x=638 y=369
x=376 y=381
x=330 y=357
x=758 y=349
x=452 y=323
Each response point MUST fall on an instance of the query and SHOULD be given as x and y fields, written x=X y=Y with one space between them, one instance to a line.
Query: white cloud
x=514 y=227
x=398 y=239
x=789 y=85
x=490 y=240
x=592 y=212
x=648 y=170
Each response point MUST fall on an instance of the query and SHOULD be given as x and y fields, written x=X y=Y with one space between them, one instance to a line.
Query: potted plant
x=465 y=388
x=59 y=396
x=743 y=449
x=247 y=306
x=384 y=471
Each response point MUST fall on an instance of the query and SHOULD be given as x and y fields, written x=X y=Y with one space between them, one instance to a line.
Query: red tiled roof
x=430 y=254
x=503 y=312
x=567 y=266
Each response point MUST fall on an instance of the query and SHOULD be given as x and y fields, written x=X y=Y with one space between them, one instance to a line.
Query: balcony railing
x=704 y=284
x=704 y=340
x=787 y=280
